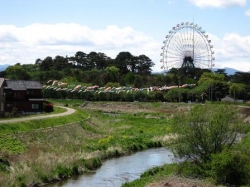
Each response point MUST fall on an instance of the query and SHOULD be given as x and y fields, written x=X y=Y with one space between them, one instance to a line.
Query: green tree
x=138 y=83
x=113 y=73
x=204 y=131
x=92 y=60
x=222 y=71
x=17 y=72
x=143 y=65
x=172 y=95
x=231 y=167
x=125 y=62
x=241 y=77
x=210 y=78
x=129 y=78
x=33 y=71
x=158 y=96
x=103 y=61
x=236 y=89
x=46 y=64
x=214 y=85
x=60 y=63
x=81 y=60
x=38 y=61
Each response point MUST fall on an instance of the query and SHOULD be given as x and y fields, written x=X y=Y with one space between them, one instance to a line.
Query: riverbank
x=175 y=181
x=37 y=152
x=167 y=176
x=222 y=168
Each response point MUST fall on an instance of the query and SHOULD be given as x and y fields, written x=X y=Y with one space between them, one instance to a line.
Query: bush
x=63 y=172
x=4 y=164
x=14 y=112
x=7 y=115
x=205 y=131
x=48 y=107
x=92 y=163
x=152 y=171
x=230 y=167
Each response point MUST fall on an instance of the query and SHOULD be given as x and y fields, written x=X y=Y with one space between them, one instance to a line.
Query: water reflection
x=116 y=171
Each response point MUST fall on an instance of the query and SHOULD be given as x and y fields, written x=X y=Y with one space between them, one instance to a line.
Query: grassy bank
x=229 y=167
x=40 y=151
x=168 y=175
x=36 y=152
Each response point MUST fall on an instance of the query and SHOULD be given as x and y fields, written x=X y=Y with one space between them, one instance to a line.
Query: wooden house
x=2 y=98
x=24 y=96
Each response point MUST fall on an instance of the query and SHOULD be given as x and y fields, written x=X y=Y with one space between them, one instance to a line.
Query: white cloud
x=248 y=12
x=232 y=51
x=218 y=3
x=26 y=44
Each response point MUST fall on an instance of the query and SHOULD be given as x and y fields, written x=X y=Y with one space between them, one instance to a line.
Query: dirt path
x=68 y=112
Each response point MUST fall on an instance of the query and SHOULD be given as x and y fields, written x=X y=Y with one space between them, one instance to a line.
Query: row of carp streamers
x=63 y=86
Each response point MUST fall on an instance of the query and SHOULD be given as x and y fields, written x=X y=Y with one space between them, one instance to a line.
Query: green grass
x=67 y=102
x=57 y=110
x=42 y=150
x=245 y=144
x=34 y=124
x=152 y=175
x=129 y=131
x=11 y=145
x=61 y=146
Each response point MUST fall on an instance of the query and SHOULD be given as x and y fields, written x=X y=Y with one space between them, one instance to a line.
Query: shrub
x=204 y=131
x=7 y=115
x=63 y=172
x=152 y=171
x=92 y=163
x=14 y=112
x=48 y=107
x=230 y=167
x=4 y=164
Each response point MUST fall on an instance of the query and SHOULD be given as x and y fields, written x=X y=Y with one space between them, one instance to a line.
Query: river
x=116 y=171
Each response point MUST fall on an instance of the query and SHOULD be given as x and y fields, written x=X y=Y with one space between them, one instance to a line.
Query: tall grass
x=40 y=151
x=152 y=175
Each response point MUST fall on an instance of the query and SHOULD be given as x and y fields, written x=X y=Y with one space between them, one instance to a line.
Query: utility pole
x=211 y=92
x=179 y=89
x=234 y=94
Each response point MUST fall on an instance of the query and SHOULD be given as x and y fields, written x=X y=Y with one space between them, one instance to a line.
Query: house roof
x=228 y=99
x=22 y=85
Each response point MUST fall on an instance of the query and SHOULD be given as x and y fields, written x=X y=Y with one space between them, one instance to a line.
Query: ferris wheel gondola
x=187 y=45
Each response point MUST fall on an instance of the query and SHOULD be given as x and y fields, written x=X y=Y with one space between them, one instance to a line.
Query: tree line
x=126 y=69
x=125 y=61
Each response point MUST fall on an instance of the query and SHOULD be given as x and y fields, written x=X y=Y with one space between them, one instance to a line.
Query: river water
x=116 y=171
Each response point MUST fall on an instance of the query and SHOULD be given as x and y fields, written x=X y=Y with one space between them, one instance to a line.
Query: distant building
x=25 y=96
x=228 y=99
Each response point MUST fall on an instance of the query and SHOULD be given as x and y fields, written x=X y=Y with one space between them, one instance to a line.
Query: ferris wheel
x=188 y=46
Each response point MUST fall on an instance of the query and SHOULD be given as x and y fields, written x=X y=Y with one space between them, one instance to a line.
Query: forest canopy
x=127 y=70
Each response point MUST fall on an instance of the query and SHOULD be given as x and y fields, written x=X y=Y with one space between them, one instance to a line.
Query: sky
x=36 y=29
